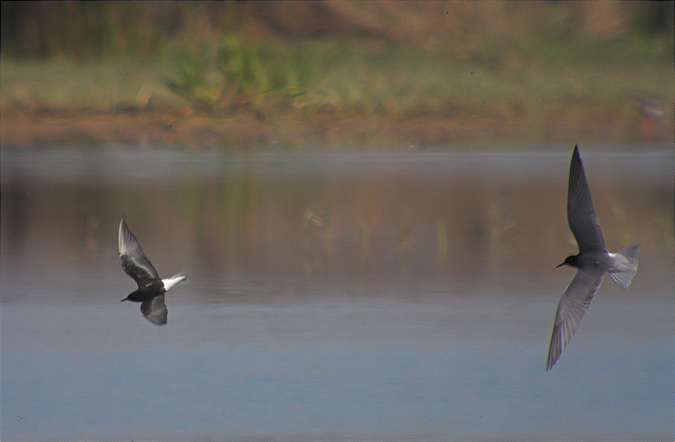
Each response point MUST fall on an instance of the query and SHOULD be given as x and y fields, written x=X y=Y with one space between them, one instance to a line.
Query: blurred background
x=369 y=200
x=294 y=75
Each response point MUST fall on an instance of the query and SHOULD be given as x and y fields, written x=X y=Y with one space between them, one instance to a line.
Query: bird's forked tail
x=625 y=266
x=175 y=280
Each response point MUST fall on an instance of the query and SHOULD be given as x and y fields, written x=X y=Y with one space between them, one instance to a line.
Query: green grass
x=72 y=85
x=394 y=81
x=383 y=93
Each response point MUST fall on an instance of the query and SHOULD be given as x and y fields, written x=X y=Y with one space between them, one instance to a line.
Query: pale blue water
x=421 y=307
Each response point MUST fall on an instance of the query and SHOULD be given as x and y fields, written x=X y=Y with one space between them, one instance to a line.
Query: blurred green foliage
x=515 y=61
x=239 y=73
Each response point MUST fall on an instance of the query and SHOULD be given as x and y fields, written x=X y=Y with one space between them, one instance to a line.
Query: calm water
x=331 y=296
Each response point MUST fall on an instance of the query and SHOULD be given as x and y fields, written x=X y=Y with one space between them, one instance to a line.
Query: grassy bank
x=239 y=93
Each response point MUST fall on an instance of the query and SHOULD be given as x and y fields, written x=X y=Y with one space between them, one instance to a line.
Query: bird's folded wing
x=155 y=310
x=134 y=261
x=571 y=308
x=581 y=215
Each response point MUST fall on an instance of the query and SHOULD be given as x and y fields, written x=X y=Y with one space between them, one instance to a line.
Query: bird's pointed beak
x=560 y=265
x=125 y=299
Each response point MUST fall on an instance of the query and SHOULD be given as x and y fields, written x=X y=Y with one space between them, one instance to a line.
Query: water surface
x=331 y=296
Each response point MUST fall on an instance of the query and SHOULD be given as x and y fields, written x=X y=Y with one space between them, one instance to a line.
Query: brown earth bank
x=250 y=130
x=345 y=75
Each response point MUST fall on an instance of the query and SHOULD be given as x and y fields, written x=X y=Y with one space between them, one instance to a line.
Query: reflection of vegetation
x=366 y=240
x=442 y=251
x=284 y=224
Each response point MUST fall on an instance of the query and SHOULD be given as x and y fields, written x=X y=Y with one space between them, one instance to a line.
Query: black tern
x=592 y=262
x=151 y=287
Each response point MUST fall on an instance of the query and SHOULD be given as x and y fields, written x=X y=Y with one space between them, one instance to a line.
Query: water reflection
x=332 y=296
x=470 y=222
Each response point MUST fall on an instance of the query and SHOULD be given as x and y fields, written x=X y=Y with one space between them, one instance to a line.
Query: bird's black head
x=134 y=297
x=572 y=261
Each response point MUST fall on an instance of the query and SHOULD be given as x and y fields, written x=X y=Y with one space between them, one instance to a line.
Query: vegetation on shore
x=235 y=88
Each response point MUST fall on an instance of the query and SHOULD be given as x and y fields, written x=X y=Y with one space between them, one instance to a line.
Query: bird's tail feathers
x=625 y=266
x=175 y=280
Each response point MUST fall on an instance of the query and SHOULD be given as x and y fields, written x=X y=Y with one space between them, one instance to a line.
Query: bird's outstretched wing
x=581 y=215
x=571 y=308
x=134 y=261
x=155 y=310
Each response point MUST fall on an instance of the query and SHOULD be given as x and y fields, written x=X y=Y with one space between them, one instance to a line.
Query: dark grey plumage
x=592 y=262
